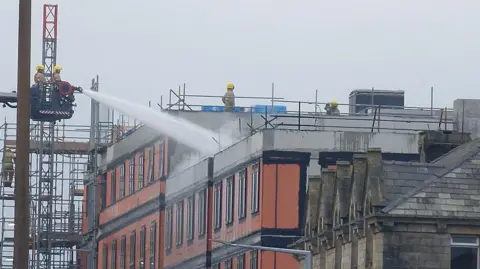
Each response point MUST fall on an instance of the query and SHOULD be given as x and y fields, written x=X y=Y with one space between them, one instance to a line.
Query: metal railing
x=307 y=115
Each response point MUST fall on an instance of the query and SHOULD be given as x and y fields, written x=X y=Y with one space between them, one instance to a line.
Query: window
x=160 y=159
x=122 y=181
x=254 y=259
x=242 y=195
x=201 y=212
x=113 y=186
x=141 y=169
x=216 y=266
x=133 y=243
x=241 y=261
x=464 y=252
x=179 y=223
x=103 y=184
x=150 y=165
x=105 y=256
x=217 y=219
x=255 y=188
x=143 y=246
x=190 y=218
x=228 y=264
x=123 y=250
x=153 y=243
x=230 y=199
x=131 y=176
x=113 y=263
x=169 y=228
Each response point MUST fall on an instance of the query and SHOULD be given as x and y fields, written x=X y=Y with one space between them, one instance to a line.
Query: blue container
x=279 y=109
x=212 y=108
x=219 y=109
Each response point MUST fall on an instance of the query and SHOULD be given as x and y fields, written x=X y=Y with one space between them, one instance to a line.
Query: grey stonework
x=376 y=214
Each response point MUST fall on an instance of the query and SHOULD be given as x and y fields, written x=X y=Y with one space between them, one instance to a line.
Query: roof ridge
x=413 y=163
x=434 y=177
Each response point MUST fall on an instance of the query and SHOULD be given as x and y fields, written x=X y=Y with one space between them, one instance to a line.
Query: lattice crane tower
x=46 y=158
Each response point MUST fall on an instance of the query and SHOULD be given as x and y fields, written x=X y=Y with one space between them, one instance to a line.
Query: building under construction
x=160 y=206
x=117 y=194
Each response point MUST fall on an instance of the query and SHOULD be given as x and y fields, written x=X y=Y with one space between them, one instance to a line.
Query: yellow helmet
x=57 y=68
x=334 y=103
x=40 y=67
x=230 y=86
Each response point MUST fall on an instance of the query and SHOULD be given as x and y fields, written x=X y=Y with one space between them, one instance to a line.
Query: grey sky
x=141 y=50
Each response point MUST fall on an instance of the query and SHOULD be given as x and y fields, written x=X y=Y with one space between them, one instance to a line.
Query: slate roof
x=449 y=186
x=401 y=177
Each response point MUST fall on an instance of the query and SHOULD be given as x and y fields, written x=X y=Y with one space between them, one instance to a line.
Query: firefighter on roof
x=39 y=76
x=332 y=108
x=56 y=73
x=229 y=98
x=8 y=169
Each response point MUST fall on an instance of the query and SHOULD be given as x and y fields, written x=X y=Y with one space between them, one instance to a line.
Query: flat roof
x=252 y=147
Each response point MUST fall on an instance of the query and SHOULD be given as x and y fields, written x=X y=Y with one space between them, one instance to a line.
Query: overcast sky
x=142 y=48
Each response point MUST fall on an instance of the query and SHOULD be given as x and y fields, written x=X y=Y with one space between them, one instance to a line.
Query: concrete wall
x=311 y=141
x=467 y=116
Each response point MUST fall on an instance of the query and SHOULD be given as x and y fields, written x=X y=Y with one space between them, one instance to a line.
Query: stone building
x=373 y=213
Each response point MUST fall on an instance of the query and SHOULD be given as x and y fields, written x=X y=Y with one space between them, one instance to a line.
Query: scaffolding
x=57 y=168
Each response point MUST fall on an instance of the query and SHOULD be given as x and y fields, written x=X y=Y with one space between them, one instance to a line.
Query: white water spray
x=179 y=129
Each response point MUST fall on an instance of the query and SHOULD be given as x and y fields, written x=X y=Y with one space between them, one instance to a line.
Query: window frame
x=190 y=218
x=179 y=214
x=133 y=249
x=161 y=154
x=228 y=264
x=103 y=186
x=105 y=256
x=153 y=244
x=217 y=205
x=123 y=252
x=113 y=258
x=202 y=209
x=143 y=246
x=230 y=199
x=122 y=181
x=151 y=166
x=255 y=206
x=475 y=245
x=169 y=228
x=254 y=259
x=242 y=194
x=113 y=186
x=141 y=169
x=131 y=176
x=241 y=261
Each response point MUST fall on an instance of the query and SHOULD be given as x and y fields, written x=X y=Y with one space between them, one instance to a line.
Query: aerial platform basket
x=52 y=101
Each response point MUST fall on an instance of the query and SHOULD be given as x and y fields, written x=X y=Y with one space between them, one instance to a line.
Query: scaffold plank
x=7 y=197
x=68 y=147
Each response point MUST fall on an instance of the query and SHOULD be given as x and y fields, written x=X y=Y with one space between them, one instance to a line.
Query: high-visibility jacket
x=229 y=99
x=56 y=77
x=39 y=77
x=8 y=157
